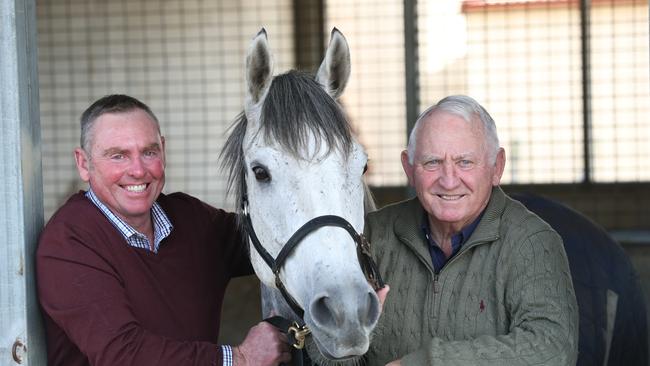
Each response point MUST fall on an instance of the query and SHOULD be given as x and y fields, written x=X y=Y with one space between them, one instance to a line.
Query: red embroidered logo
x=482 y=306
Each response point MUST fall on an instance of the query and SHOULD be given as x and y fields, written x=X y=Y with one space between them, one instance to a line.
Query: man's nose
x=136 y=168
x=448 y=176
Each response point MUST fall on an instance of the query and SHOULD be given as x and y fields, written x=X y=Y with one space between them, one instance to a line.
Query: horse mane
x=296 y=107
x=232 y=159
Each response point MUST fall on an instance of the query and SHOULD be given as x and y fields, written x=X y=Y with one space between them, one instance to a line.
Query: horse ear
x=259 y=70
x=334 y=72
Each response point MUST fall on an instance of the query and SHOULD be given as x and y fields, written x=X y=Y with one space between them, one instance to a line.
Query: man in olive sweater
x=476 y=278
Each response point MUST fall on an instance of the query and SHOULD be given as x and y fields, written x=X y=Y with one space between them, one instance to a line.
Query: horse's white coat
x=323 y=273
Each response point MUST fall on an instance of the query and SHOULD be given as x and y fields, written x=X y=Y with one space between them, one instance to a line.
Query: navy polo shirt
x=457 y=240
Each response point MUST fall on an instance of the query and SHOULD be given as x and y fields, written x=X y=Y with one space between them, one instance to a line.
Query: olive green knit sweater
x=506 y=298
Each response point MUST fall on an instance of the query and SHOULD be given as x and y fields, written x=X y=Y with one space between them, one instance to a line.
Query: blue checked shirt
x=227 y=355
x=162 y=227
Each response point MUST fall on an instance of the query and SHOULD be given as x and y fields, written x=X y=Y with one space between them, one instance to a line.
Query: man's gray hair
x=116 y=103
x=468 y=109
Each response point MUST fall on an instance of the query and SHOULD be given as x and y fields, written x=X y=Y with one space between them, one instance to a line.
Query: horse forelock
x=295 y=109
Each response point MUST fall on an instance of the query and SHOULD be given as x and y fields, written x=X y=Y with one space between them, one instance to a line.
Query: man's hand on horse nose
x=263 y=345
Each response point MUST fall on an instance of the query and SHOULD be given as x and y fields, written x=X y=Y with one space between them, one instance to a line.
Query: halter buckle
x=299 y=333
x=368 y=266
x=244 y=205
x=364 y=244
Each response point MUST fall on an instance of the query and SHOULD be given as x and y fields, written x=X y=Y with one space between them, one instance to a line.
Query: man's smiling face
x=126 y=163
x=453 y=172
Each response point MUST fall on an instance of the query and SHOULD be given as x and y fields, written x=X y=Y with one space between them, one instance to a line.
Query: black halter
x=368 y=265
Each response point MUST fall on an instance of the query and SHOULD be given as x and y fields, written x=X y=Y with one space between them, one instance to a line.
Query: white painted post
x=21 y=186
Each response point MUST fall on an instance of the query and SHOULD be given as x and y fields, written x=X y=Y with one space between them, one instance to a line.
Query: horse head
x=293 y=158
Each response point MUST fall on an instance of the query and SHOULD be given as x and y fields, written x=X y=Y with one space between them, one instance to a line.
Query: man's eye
x=117 y=157
x=365 y=168
x=465 y=163
x=431 y=164
x=151 y=153
x=261 y=174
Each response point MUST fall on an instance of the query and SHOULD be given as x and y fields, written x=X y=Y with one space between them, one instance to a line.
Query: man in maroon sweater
x=130 y=276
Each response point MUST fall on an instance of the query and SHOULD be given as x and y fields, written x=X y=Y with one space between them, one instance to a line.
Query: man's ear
x=408 y=168
x=83 y=164
x=162 y=141
x=499 y=166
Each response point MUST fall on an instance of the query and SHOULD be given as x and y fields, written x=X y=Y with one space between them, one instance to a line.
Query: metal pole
x=585 y=39
x=411 y=63
x=411 y=73
x=308 y=33
x=21 y=186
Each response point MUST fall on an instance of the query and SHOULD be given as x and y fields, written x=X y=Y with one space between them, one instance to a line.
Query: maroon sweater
x=107 y=303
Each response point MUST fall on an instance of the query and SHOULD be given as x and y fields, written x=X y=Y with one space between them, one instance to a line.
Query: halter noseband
x=368 y=265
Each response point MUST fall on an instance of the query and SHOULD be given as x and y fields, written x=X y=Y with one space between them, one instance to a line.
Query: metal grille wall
x=619 y=89
x=523 y=61
x=375 y=99
x=184 y=58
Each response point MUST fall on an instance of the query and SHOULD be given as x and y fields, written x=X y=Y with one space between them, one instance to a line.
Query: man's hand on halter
x=263 y=345
x=381 y=293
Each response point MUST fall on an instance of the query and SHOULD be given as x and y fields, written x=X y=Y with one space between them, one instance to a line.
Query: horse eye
x=261 y=174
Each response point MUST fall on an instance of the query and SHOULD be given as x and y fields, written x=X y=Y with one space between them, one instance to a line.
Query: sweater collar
x=407 y=226
x=488 y=228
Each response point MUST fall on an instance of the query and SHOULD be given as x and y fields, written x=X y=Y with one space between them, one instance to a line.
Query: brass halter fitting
x=299 y=333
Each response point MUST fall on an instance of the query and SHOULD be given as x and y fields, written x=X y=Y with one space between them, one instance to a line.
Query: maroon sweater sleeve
x=106 y=303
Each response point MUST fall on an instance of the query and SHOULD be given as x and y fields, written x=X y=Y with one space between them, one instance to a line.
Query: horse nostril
x=329 y=311
x=324 y=312
x=371 y=315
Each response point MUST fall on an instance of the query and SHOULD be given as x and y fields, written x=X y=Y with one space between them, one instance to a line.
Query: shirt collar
x=457 y=239
x=162 y=226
